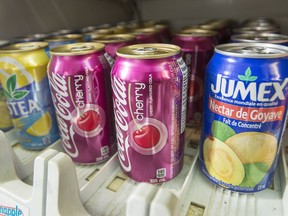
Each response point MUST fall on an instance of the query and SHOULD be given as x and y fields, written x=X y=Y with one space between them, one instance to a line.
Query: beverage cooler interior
x=46 y=182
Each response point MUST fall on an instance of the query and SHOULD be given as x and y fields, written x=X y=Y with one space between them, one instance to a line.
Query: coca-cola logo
x=120 y=101
x=59 y=90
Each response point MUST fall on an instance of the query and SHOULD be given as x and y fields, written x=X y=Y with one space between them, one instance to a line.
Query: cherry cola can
x=79 y=77
x=149 y=83
x=245 y=110
x=113 y=43
x=197 y=46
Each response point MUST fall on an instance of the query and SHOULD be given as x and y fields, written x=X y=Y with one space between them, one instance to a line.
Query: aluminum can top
x=4 y=43
x=77 y=49
x=148 y=51
x=252 y=50
x=23 y=47
x=261 y=37
x=197 y=32
x=66 y=37
x=62 y=32
x=144 y=31
x=114 y=38
x=248 y=29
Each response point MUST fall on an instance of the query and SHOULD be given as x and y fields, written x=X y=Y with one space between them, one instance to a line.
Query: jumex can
x=245 y=113
x=149 y=83
x=113 y=43
x=79 y=78
x=197 y=46
x=24 y=80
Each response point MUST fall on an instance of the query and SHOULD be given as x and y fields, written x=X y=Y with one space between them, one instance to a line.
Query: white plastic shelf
x=103 y=189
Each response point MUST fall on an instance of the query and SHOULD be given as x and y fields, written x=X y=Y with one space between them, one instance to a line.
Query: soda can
x=245 y=109
x=62 y=32
x=147 y=35
x=5 y=120
x=79 y=77
x=31 y=38
x=261 y=38
x=256 y=29
x=221 y=28
x=149 y=83
x=63 y=40
x=25 y=84
x=165 y=33
x=90 y=36
x=197 y=46
x=4 y=43
x=113 y=43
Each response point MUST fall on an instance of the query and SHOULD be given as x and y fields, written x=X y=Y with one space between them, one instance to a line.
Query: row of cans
x=149 y=128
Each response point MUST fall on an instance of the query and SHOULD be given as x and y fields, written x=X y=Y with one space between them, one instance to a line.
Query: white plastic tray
x=103 y=189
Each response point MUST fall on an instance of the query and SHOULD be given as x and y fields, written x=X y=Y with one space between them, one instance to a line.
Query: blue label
x=244 y=117
x=32 y=112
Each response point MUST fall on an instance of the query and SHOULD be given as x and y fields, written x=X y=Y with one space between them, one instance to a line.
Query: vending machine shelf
x=103 y=189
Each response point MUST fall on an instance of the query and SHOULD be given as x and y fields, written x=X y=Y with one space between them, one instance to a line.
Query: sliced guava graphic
x=254 y=147
x=221 y=131
x=147 y=136
x=254 y=173
x=221 y=162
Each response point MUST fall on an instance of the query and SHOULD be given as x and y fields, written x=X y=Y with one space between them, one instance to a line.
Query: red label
x=252 y=114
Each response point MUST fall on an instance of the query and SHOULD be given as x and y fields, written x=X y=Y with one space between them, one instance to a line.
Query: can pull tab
x=260 y=38
x=256 y=50
x=144 y=50
x=80 y=48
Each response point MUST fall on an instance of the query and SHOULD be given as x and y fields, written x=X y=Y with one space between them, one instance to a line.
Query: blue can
x=60 y=40
x=245 y=106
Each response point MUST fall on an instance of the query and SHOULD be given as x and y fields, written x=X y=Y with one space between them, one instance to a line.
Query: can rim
x=230 y=49
x=26 y=47
x=278 y=38
x=197 y=32
x=66 y=37
x=114 y=38
x=77 y=49
x=148 y=51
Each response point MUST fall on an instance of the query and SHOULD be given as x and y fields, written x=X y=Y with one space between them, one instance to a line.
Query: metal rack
x=49 y=183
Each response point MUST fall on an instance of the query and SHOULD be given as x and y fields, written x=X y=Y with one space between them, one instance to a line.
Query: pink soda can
x=149 y=83
x=197 y=46
x=79 y=78
x=113 y=42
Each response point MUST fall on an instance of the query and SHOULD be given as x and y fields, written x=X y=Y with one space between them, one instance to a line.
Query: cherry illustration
x=89 y=120
x=147 y=137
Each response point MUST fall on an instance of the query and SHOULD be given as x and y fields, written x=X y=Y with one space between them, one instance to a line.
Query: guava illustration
x=221 y=131
x=254 y=147
x=254 y=173
x=221 y=162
